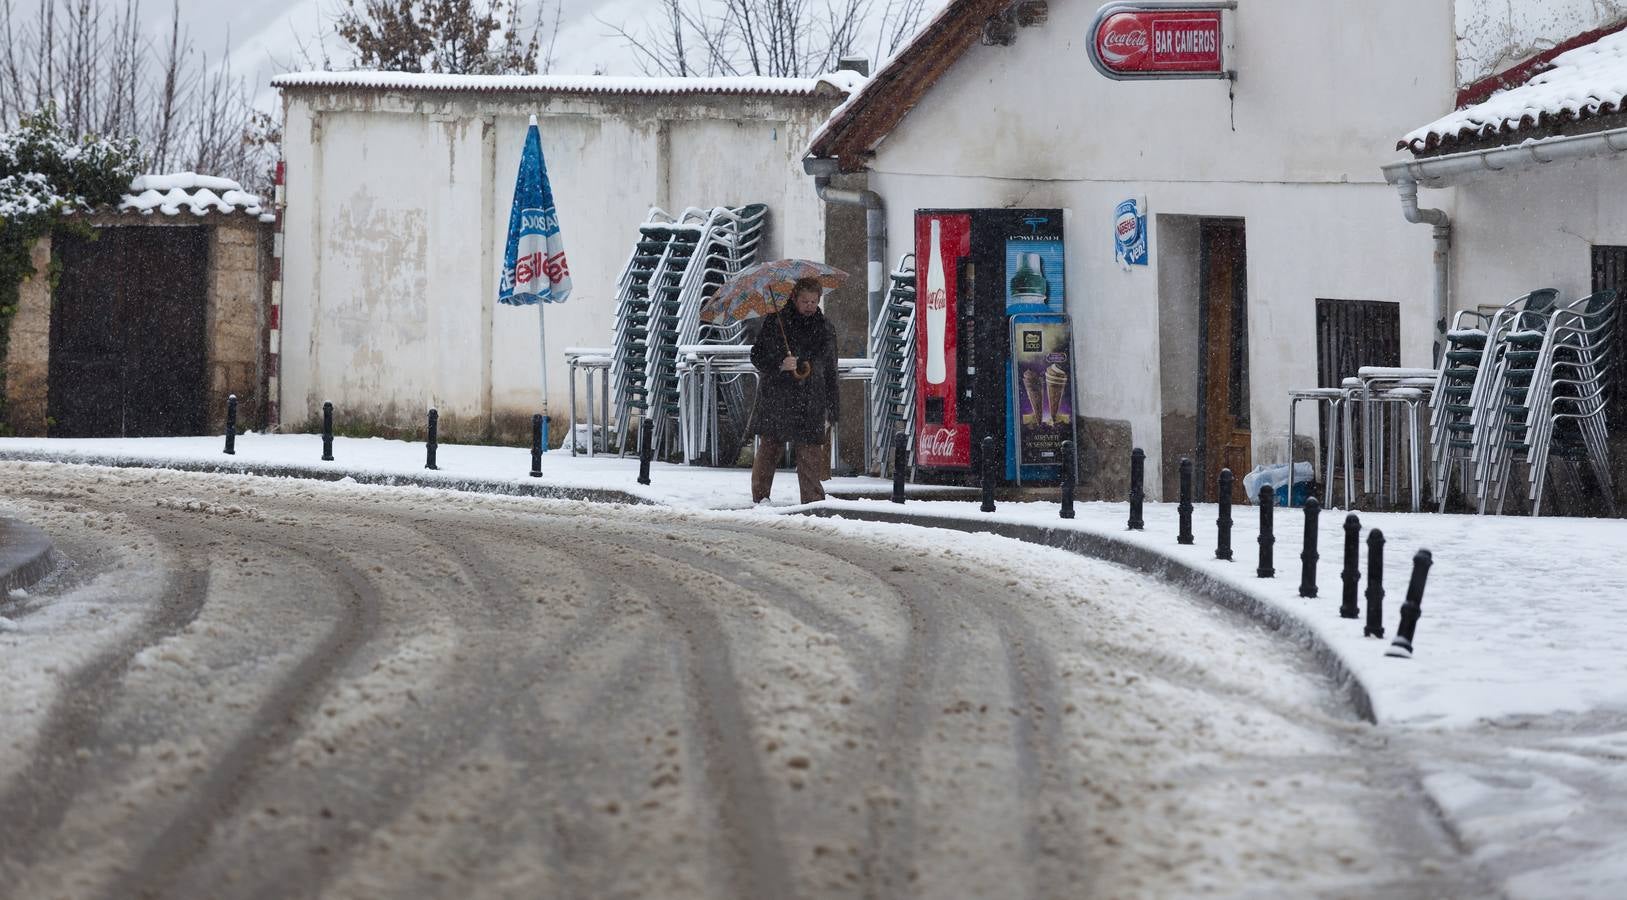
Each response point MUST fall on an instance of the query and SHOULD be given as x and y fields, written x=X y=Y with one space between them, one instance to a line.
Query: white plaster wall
x=1493 y=35
x=1034 y=125
x=398 y=207
x=1535 y=228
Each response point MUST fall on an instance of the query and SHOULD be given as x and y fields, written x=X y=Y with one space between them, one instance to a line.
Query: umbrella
x=534 y=266
x=763 y=288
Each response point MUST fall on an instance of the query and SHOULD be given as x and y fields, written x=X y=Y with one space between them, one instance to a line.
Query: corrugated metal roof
x=835 y=83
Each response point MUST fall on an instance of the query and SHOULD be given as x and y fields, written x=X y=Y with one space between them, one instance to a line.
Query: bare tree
x=92 y=60
x=785 y=38
x=488 y=37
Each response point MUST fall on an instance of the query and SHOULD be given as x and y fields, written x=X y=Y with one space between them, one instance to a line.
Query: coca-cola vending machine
x=992 y=277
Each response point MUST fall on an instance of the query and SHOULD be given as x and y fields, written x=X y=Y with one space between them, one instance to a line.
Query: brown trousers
x=810 y=467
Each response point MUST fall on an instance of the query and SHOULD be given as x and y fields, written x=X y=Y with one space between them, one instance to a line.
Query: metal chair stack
x=892 y=348
x=1552 y=390
x=676 y=263
x=1459 y=404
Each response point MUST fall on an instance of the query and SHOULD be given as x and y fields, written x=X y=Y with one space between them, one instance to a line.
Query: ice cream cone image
x=1031 y=387
x=1056 y=384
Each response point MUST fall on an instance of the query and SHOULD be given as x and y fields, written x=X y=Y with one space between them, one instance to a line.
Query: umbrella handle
x=803 y=369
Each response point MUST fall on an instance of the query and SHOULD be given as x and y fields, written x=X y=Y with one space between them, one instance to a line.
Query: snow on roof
x=198 y=194
x=837 y=82
x=1588 y=81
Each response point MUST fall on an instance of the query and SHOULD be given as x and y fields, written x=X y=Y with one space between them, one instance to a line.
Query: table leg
x=1293 y=404
x=571 y=367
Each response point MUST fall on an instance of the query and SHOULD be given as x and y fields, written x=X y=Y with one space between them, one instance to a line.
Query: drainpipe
x=1443 y=248
x=875 y=226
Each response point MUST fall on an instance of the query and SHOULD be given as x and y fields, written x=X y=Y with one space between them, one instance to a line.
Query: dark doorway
x=127 y=333
x=1224 y=440
x=1610 y=274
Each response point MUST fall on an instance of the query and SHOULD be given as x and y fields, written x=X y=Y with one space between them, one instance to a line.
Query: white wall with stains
x=397 y=210
x=1493 y=35
x=1293 y=148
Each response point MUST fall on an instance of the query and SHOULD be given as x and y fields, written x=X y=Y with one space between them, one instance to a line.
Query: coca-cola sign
x=1128 y=41
x=944 y=445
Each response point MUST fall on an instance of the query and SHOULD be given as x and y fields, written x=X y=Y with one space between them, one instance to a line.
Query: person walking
x=797 y=397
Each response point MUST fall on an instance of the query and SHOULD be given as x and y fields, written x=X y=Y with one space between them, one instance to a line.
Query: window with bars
x=1355 y=333
x=1610 y=274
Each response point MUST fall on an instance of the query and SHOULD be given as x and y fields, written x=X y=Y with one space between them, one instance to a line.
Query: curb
x=25 y=555
x=274 y=470
x=1157 y=565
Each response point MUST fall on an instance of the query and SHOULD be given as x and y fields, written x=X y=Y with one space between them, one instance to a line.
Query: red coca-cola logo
x=1122 y=40
x=937 y=300
x=939 y=444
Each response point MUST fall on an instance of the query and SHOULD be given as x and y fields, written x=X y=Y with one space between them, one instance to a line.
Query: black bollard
x=1348 y=608
x=1067 y=479
x=901 y=461
x=1223 y=524
x=327 y=431
x=536 y=446
x=646 y=449
x=1375 y=584
x=1309 y=556
x=434 y=435
x=988 y=474
x=1184 y=508
x=1138 y=469
x=231 y=424
x=1413 y=608
x=1268 y=502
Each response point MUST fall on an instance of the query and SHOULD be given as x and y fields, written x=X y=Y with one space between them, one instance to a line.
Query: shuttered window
x=1351 y=334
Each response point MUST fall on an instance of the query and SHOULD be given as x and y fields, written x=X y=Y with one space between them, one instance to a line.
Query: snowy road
x=242 y=687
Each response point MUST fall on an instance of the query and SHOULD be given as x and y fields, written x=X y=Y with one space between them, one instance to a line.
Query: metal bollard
x=1375 y=584
x=1067 y=479
x=1138 y=469
x=901 y=461
x=1184 y=536
x=1309 y=556
x=1348 y=608
x=327 y=431
x=646 y=449
x=1268 y=501
x=231 y=424
x=1223 y=524
x=1413 y=608
x=434 y=435
x=988 y=474
x=536 y=446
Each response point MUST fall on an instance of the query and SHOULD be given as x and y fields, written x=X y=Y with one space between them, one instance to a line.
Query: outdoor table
x=1333 y=397
x=1371 y=387
x=596 y=360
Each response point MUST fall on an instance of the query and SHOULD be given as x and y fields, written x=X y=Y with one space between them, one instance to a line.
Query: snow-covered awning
x=200 y=195
x=1588 y=81
x=834 y=83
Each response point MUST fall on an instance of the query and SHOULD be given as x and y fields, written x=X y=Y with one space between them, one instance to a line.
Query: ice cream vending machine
x=994 y=350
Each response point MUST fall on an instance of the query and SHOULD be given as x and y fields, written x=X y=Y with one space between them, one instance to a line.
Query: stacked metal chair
x=676 y=263
x=1459 y=403
x=892 y=348
x=1553 y=385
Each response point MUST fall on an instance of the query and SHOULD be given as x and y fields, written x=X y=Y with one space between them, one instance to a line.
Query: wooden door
x=127 y=333
x=1223 y=432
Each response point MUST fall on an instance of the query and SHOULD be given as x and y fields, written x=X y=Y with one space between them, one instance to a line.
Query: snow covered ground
x=1515 y=701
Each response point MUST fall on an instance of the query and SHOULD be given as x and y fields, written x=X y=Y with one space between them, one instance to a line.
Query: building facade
x=397 y=198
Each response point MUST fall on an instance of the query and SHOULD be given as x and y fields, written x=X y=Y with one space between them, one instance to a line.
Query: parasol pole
x=542 y=343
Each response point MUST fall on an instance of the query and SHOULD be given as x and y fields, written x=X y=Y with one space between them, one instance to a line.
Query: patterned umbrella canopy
x=763 y=288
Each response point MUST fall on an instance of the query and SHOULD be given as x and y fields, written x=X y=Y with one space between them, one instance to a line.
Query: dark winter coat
x=788 y=409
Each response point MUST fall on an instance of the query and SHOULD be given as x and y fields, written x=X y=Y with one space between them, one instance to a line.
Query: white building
x=1527 y=173
x=1276 y=174
x=397 y=198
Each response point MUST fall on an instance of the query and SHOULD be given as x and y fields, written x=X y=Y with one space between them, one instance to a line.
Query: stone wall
x=29 y=354
x=238 y=286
